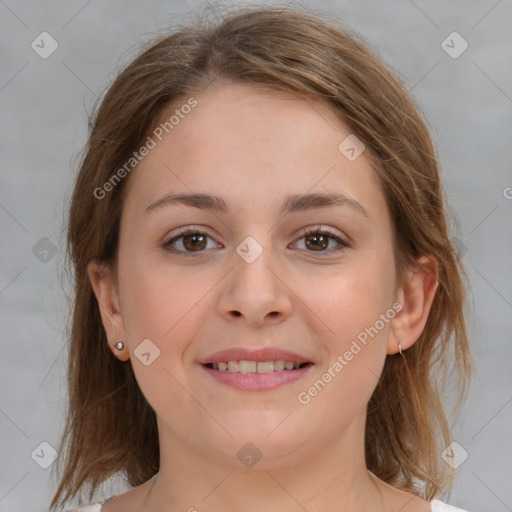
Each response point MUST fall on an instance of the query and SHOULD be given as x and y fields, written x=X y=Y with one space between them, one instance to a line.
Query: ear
x=104 y=285
x=416 y=297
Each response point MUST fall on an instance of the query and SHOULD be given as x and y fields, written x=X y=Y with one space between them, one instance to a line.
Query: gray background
x=44 y=103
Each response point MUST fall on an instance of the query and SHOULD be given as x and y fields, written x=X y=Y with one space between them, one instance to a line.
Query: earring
x=119 y=345
x=400 y=349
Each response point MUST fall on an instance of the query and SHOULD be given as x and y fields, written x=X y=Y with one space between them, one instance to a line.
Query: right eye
x=190 y=241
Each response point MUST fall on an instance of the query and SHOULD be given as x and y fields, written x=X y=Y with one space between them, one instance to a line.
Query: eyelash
x=188 y=231
x=342 y=244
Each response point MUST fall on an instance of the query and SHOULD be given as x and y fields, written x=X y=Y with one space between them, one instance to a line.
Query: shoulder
x=96 y=507
x=439 y=506
x=90 y=508
x=128 y=500
x=436 y=506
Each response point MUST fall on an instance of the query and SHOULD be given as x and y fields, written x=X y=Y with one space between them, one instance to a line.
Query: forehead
x=252 y=144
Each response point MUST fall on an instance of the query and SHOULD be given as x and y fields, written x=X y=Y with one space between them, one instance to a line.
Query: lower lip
x=257 y=381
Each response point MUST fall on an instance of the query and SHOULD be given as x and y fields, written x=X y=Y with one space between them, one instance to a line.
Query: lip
x=257 y=381
x=259 y=355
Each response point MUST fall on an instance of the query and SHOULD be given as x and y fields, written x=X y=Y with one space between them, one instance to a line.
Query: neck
x=323 y=477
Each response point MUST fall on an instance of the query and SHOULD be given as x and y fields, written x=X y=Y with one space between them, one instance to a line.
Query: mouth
x=248 y=367
x=256 y=370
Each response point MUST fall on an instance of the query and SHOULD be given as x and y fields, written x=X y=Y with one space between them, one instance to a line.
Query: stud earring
x=400 y=349
x=119 y=345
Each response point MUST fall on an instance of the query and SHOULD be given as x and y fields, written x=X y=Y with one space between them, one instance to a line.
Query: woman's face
x=287 y=256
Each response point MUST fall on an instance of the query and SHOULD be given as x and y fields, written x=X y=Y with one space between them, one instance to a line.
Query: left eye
x=321 y=241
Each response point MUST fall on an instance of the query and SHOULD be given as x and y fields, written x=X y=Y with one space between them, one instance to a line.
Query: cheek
x=353 y=310
x=350 y=299
x=169 y=307
x=157 y=299
x=165 y=308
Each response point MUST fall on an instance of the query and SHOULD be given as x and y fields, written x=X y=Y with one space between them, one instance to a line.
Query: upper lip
x=263 y=354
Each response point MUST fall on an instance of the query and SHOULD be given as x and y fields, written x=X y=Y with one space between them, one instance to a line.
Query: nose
x=256 y=293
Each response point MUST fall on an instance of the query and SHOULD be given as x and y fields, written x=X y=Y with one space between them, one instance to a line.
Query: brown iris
x=194 y=242
x=317 y=241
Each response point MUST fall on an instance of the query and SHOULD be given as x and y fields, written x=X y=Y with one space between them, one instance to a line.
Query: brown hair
x=110 y=427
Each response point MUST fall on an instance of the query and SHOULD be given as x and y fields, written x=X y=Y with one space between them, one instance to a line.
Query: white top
x=436 y=506
x=439 y=506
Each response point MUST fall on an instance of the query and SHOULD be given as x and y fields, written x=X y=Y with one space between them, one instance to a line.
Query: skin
x=253 y=148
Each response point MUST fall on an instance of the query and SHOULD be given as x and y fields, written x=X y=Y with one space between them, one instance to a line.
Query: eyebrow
x=293 y=203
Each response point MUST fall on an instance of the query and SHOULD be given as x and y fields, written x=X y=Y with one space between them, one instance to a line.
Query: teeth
x=255 y=366
x=279 y=365
x=265 y=367
x=247 y=366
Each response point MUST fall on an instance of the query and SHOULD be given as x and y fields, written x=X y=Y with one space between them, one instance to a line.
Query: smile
x=247 y=367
